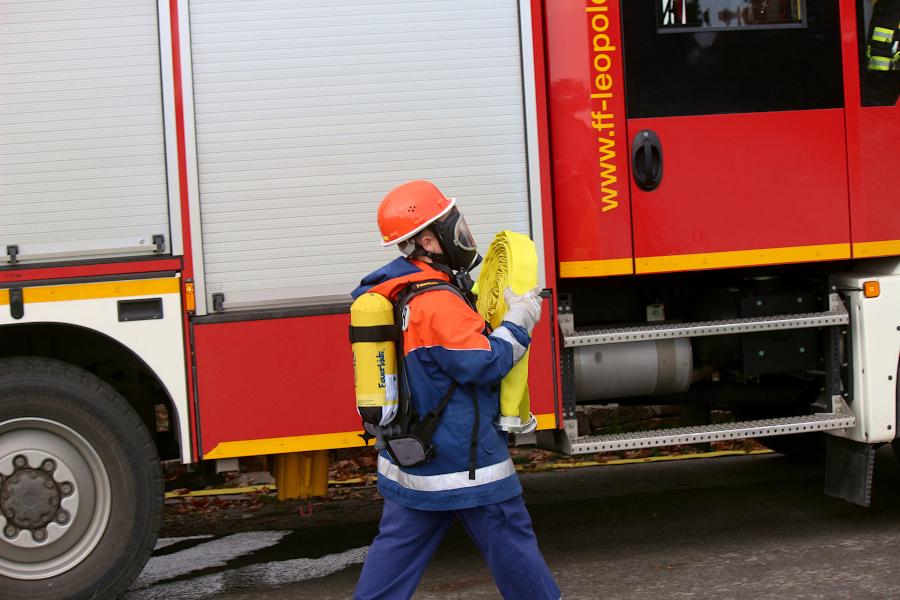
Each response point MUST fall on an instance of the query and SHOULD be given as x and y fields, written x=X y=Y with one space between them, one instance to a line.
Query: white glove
x=524 y=310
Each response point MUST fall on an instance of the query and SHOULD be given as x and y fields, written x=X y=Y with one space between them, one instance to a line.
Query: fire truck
x=188 y=192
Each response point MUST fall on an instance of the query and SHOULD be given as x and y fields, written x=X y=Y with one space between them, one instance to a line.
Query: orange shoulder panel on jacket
x=391 y=288
x=441 y=318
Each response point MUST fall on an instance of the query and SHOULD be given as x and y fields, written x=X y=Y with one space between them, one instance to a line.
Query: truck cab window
x=679 y=15
x=779 y=55
x=879 y=52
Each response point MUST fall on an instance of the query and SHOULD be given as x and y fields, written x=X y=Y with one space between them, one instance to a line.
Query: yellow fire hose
x=511 y=261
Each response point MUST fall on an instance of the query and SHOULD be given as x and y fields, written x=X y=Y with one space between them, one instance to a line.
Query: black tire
x=42 y=398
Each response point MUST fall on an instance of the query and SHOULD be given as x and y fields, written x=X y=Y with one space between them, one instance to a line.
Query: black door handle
x=647 y=160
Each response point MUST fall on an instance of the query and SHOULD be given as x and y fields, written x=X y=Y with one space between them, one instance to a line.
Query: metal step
x=837 y=315
x=841 y=418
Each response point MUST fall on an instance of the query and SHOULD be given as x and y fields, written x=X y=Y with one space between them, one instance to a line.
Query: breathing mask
x=457 y=241
x=460 y=255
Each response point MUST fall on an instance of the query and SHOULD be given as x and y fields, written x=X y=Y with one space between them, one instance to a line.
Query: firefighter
x=471 y=476
x=883 y=42
x=881 y=77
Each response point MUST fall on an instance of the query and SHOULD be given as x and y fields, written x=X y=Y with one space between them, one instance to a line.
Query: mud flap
x=848 y=470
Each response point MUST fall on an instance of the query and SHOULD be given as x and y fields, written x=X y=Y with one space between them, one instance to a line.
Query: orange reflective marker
x=871 y=289
x=190 y=304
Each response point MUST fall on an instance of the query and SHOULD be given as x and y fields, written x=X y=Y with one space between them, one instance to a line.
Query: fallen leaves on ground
x=358 y=468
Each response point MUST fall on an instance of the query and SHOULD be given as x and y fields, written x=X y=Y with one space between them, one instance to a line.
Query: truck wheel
x=80 y=484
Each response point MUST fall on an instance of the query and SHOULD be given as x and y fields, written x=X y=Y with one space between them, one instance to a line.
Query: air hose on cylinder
x=511 y=261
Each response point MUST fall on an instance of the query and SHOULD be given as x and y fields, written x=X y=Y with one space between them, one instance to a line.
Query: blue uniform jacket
x=444 y=342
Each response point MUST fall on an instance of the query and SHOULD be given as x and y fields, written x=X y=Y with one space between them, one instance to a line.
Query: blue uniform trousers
x=407 y=539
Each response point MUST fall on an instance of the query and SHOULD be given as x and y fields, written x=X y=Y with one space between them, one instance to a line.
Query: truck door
x=736 y=124
x=873 y=122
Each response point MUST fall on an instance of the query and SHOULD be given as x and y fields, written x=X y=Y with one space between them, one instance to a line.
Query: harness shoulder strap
x=420 y=287
x=405 y=418
x=426 y=427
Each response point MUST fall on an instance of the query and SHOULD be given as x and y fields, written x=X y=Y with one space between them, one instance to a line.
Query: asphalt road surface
x=738 y=527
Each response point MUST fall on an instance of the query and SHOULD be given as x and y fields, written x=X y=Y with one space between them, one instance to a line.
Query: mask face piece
x=462 y=235
x=457 y=241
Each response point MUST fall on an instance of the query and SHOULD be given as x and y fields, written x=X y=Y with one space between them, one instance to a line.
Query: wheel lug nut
x=10 y=531
x=20 y=462
x=62 y=517
x=48 y=485
x=48 y=465
x=66 y=488
x=39 y=535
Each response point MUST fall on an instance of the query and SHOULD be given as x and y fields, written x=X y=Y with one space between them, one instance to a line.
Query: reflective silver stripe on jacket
x=518 y=349
x=445 y=481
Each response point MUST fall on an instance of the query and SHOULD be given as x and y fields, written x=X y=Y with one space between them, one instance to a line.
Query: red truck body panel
x=292 y=378
x=588 y=137
x=876 y=218
x=872 y=134
x=775 y=182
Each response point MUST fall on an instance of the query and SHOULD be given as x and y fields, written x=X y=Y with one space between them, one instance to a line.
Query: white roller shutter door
x=308 y=112
x=82 y=151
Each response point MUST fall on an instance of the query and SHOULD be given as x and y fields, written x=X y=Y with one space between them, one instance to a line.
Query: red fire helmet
x=409 y=208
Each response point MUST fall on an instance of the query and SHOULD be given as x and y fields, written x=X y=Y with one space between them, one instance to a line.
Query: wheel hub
x=54 y=498
x=31 y=498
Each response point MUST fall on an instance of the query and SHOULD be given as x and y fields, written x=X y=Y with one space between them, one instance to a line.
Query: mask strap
x=419 y=251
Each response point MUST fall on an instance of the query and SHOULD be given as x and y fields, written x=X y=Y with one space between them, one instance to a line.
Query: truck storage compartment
x=308 y=113
x=82 y=146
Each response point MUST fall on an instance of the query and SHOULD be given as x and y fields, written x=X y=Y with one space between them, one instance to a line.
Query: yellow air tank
x=374 y=358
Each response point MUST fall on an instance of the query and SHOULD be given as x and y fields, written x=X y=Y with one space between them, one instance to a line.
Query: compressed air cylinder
x=374 y=360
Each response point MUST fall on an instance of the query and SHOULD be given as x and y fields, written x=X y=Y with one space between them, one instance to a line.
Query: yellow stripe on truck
x=872 y=249
x=295 y=443
x=93 y=291
x=305 y=443
x=596 y=268
x=740 y=258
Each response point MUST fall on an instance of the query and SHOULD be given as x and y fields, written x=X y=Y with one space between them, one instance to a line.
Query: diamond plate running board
x=842 y=418
x=836 y=315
